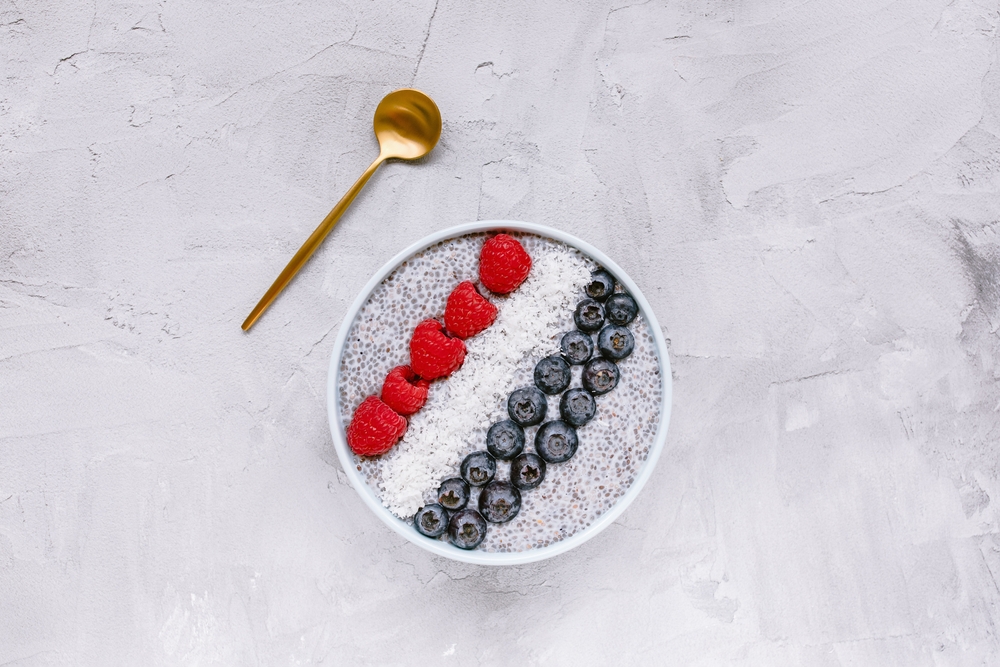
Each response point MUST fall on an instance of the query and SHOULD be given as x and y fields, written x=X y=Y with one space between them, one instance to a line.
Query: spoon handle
x=310 y=246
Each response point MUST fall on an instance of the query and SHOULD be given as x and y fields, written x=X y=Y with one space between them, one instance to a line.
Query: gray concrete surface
x=805 y=190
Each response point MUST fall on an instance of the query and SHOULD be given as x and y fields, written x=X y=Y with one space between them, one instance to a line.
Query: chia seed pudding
x=459 y=410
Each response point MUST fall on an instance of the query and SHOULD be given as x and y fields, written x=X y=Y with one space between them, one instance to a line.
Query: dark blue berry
x=479 y=468
x=552 y=374
x=499 y=502
x=601 y=285
x=577 y=347
x=527 y=471
x=453 y=494
x=431 y=520
x=615 y=342
x=467 y=529
x=600 y=376
x=589 y=315
x=505 y=439
x=577 y=406
x=556 y=441
x=527 y=406
x=621 y=308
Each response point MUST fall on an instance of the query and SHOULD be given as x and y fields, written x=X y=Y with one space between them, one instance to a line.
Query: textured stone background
x=805 y=190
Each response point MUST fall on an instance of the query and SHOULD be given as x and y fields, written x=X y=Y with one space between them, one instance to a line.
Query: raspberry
x=467 y=312
x=403 y=392
x=375 y=428
x=432 y=353
x=503 y=264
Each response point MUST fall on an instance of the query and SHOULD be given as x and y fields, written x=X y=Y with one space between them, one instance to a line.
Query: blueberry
x=478 y=468
x=577 y=406
x=431 y=520
x=615 y=342
x=453 y=494
x=621 y=308
x=527 y=471
x=527 y=406
x=589 y=315
x=467 y=529
x=601 y=285
x=552 y=374
x=505 y=439
x=577 y=347
x=499 y=502
x=556 y=441
x=600 y=376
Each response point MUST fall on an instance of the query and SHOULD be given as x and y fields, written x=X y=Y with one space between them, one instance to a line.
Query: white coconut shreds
x=460 y=409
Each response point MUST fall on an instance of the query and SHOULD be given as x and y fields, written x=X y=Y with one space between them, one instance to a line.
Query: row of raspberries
x=436 y=349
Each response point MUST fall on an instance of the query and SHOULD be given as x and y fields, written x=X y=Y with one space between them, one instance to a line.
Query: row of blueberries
x=605 y=312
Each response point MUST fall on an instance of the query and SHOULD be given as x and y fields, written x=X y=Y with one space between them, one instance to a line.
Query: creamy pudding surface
x=459 y=410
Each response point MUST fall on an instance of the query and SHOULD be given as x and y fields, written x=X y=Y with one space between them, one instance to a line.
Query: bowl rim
x=441 y=548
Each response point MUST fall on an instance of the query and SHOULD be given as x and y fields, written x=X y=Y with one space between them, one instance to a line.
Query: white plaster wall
x=805 y=190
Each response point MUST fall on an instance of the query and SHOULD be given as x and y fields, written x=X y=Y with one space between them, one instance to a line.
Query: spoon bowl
x=407 y=125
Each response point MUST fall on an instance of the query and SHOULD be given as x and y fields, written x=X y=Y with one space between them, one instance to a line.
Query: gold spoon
x=407 y=125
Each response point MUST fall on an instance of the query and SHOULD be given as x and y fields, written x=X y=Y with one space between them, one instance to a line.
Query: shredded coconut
x=460 y=409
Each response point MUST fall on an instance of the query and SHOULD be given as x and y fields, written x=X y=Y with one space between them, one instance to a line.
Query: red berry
x=375 y=428
x=403 y=391
x=467 y=312
x=432 y=353
x=503 y=264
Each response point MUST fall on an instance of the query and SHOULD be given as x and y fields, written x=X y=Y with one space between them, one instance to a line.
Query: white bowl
x=406 y=529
